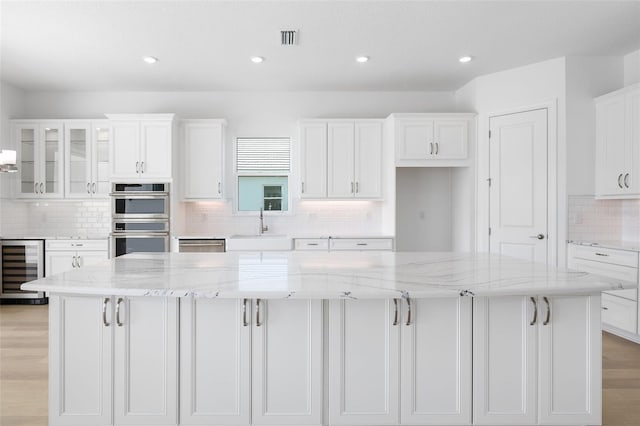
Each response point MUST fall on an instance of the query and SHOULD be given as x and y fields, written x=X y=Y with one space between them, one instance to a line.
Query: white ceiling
x=206 y=45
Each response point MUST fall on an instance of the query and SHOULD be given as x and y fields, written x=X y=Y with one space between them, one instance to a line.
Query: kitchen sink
x=264 y=242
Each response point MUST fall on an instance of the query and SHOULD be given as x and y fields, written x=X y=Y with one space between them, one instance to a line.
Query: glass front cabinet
x=86 y=159
x=40 y=159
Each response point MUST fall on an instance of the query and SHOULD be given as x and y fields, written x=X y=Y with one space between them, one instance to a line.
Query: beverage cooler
x=21 y=261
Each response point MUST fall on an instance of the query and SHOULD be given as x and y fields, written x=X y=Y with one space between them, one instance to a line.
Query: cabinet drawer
x=619 y=312
x=312 y=244
x=616 y=272
x=630 y=293
x=78 y=245
x=361 y=244
x=605 y=255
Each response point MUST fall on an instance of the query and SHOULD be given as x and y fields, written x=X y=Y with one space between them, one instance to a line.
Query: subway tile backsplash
x=603 y=220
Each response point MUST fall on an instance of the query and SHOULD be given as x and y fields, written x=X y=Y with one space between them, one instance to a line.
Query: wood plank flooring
x=23 y=371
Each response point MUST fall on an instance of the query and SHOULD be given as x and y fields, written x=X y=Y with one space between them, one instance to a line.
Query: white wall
x=507 y=91
x=632 y=68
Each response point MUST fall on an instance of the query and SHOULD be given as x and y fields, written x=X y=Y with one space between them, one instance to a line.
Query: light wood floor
x=23 y=371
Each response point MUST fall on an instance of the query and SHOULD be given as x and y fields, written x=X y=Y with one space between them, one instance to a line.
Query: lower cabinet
x=113 y=360
x=400 y=361
x=270 y=371
x=537 y=360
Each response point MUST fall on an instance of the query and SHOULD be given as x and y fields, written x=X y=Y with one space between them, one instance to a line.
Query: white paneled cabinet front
x=202 y=159
x=141 y=146
x=115 y=361
x=86 y=159
x=313 y=164
x=270 y=371
x=341 y=147
x=531 y=366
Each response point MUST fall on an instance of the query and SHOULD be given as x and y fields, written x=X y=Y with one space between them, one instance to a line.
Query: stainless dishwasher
x=201 y=245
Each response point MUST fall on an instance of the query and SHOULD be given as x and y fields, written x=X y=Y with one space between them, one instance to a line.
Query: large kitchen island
x=335 y=338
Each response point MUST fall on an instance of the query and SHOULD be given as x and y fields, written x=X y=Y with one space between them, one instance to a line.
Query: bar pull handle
x=534 y=320
x=104 y=312
x=94 y=186
x=42 y=187
x=137 y=167
x=602 y=254
x=619 y=183
x=142 y=167
x=408 y=311
x=437 y=148
x=258 y=323
x=357 y=187
x=35 y=187
x=78 y=261
x=430 y=148
x=118 y=323
x=73 y=261
x=219 y=187
x=626 y=178
x=548 y=317
x=244 y=313
x=352 y=187
x=395 y=315
x=302 y=187
x=88 y=188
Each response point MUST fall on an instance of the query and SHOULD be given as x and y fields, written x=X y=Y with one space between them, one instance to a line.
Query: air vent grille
x=288 y=37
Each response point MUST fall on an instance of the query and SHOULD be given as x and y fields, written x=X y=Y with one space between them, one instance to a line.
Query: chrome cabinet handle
x=94 y=186
x=219 y=187
x=626 y=178
x=604 y=308
x=104 y=312
x=78 y=261
x=539 y=236
x=430 y=148
x=258 y=323
x=535 y=311
x=362 y=244
x=142 y=167
x=137 y=167
x=244 y=313
x=302 y=188
x=602 y=254
x=619 y=177
x=35 y=187
x=408 y=311
x=548 y=317
x=88 y=188
x=437 y=148
x=352 y=187
x=395 y=315
x=73 y=261
x=42 y=187
x=357 y=187
x=118 y=323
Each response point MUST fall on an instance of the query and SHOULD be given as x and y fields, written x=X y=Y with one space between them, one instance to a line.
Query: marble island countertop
x=319 y=275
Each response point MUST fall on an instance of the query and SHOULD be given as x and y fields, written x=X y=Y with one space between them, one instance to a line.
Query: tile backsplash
x=603 y=220
x=44 y=218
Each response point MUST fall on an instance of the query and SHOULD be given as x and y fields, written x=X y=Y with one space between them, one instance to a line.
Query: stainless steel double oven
x=140 y=218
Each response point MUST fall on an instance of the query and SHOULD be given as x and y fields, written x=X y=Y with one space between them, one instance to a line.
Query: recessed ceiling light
x=150 y=59
x=257 y=59
x=362 y=59
x=465 y=59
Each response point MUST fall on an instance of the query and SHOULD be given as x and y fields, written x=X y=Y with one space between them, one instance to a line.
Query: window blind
x=263 y=154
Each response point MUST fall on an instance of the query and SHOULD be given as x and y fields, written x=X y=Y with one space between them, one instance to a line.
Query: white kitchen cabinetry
x=65 y=255
x=40 y=158
x=341 y=159
x=346 y=244
x=141 y=146
x=620 y=311
x=279 y=380
x=114 y=362
x=618 y=144
x=202 y=159
x=530 y=361
x=432 y=140
x=86 y=159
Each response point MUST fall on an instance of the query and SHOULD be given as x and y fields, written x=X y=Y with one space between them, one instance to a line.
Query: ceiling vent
x=288 y=37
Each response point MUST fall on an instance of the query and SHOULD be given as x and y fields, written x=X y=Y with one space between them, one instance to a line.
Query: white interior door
x=518 y=191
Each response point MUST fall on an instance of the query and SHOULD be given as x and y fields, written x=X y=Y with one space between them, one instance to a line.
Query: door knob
x=539 y=236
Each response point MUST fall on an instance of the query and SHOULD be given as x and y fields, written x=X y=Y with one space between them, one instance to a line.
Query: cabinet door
x=78 y=160
x=363 y=362
x=570 y=367
x=313 y=156
x=287 y=363
x=86 y=258
x=51 y=161
x=436 y=362
x=80 y=350
x=155 y=154
x=215 y=384
x=27 y=135
x=340 y=160
x=125 y=149
x=202 y=160
x=146 y=364
x=611 y=147
x=450 y=139
x=100 y=170
x=631 y=182
x=368 y=160
x=59 y=261
x=414 y=140
x=504 y=361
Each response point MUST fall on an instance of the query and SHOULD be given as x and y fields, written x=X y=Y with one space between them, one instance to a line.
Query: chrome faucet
x=263 y=228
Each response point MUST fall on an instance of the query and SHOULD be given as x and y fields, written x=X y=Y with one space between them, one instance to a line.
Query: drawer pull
x=604 y=308
x=362 y=244
x=312 y=244
x=601 y=254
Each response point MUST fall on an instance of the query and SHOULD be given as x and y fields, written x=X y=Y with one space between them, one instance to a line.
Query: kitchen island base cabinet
x=113 y=360
x=251 y=362
x=537 y=360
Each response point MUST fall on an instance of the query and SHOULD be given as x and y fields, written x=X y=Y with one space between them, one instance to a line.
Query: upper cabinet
x=141 y=146
x=618 y=144
x=432 y=140
x=40 y=147
x=202 y=162
x=341 y=159
x=87 y=159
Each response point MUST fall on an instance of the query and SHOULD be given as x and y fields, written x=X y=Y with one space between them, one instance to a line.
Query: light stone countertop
x=320 y=275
